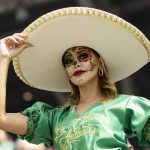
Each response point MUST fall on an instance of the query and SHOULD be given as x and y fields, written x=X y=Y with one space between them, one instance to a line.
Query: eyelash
x=68 y=60
x=82 y=55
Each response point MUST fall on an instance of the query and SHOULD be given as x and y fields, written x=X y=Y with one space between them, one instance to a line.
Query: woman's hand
x=11 y=46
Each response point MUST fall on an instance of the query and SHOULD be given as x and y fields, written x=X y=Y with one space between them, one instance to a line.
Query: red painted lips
x=78 y=72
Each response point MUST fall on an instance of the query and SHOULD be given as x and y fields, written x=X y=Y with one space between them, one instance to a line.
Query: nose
x=77 y=64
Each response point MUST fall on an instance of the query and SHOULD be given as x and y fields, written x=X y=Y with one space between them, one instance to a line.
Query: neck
x=90 y=92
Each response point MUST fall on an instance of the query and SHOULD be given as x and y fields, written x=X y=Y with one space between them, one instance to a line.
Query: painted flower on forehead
x=74 y=54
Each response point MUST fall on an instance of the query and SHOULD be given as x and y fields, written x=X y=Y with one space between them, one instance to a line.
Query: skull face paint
x=80 y=59
x=83 y=54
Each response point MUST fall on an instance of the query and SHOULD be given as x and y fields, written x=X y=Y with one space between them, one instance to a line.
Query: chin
x=79 y=81
x=83 y=80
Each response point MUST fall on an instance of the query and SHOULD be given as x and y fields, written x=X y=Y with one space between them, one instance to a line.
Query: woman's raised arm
x=9 y=48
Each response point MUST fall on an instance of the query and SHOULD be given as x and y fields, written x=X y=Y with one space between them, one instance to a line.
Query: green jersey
x=103 y=126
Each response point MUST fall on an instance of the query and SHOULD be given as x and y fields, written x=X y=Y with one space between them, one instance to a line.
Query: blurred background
x=15 y=15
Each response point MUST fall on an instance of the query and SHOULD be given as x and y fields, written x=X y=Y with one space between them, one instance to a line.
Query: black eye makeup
x=84 y=55
x=68 y=60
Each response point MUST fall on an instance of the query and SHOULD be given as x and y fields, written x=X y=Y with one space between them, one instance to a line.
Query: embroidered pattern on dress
x=146 y=131
x=79 y=127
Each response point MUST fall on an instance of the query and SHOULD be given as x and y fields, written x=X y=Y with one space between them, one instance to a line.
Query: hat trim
x=19 y=72
x=83 y=11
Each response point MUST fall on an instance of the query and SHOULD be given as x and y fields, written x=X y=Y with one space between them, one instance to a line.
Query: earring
x=100 y=71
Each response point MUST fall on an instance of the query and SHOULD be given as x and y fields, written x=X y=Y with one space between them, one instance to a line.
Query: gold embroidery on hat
x=18 y=71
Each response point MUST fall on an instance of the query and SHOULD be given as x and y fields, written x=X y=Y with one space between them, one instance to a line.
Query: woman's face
x=81 y=64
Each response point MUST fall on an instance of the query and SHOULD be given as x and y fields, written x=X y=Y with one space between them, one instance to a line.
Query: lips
x=78 y=72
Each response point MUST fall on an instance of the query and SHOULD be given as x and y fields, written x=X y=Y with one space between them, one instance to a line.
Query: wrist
x=5 y=60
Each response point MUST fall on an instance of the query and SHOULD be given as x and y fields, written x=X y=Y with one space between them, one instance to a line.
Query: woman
x=95 y=115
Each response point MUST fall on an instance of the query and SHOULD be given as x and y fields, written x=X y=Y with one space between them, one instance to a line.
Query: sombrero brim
x=124 y=48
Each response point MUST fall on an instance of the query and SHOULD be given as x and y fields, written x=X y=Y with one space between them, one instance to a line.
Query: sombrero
x=124 y=48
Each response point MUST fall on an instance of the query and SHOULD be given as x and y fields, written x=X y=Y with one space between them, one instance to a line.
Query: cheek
x=91 y=65
x=69 y=71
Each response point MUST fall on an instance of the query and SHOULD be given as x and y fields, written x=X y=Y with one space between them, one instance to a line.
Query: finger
x=11 y=40
x=20 y=35
x=14 y=42
x=26 y=45
x=19 y=39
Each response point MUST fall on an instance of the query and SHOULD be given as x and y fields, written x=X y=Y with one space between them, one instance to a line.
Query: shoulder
x=122 y=98
x=129 y=100
x=136 y=103
x=44 y=109
x=44 y=105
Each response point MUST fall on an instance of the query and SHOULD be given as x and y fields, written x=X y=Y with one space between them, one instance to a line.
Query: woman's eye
x=83 y=56
x=68 y=61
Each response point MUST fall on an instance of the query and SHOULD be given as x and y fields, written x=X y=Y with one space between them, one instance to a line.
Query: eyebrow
x=67 y=54
x=83 y=49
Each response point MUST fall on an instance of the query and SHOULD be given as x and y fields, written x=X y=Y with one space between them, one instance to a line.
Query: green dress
x=103 y=126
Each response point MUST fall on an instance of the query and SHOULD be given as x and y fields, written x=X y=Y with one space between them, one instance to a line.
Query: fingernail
x=30 y=45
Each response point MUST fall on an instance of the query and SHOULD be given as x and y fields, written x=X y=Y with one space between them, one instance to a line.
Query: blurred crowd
x=8 y=142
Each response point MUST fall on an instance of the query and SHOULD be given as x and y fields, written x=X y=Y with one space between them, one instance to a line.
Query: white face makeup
x=81 y=64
